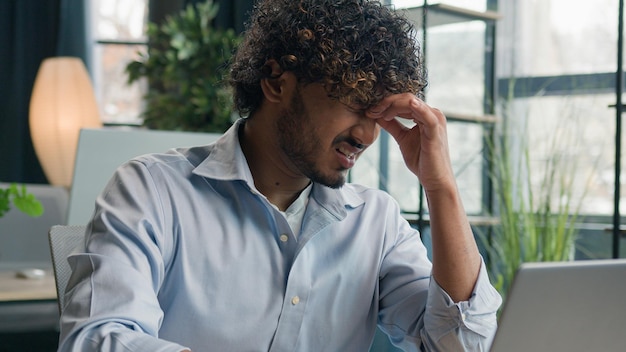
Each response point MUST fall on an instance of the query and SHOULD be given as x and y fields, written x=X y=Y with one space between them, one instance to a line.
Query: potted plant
x=185 y=66
x=535 y=200
x=21 y=199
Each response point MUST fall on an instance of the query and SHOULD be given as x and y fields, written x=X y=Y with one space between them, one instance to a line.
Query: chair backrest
x=95 y=165
x=22 y=240
x=63 y=241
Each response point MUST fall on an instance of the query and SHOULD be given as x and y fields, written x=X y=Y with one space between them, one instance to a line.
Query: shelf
x=474 y=220
x=442 y=14
x=471 y=118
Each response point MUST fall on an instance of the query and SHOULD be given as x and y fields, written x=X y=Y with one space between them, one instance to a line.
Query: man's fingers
x=395 y=128
x=390 y=126
x=406 y=106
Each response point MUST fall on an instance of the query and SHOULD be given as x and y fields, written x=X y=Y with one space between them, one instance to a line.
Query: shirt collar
x=227 y=162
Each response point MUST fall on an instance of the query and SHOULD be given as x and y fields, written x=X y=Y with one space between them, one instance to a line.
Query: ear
x=278 y=82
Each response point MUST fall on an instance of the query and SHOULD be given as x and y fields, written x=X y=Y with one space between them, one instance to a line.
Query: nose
x=365 y=131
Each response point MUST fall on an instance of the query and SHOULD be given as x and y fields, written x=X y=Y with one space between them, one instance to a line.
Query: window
x=119 y=28
x=559 y=55
x=563 y=68
x=559 y=37
x=457 y=67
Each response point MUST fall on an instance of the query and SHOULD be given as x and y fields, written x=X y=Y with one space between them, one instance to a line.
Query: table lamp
x=62 y=102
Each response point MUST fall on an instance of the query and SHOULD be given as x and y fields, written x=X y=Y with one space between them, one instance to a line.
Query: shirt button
x=463 y=316
x=284 y=238
x=295 y=300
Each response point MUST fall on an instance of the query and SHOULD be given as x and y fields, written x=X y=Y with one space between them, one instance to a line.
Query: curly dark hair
x=360 y=50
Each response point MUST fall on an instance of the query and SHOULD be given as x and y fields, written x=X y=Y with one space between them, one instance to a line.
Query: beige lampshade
x=62 y=102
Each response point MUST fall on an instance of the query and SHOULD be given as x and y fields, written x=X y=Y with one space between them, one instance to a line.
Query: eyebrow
x=358 y=109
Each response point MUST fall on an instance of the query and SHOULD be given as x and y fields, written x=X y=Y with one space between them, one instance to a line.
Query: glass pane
x=120 y=20
x=402 y=184
x=466 y=153
x=576 y=134
x=595 y=240
x=367 y=169
x=119 y=102
x=555 y=37
x=455 y=61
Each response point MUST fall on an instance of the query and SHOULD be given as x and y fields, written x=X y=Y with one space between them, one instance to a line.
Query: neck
x=272 y=175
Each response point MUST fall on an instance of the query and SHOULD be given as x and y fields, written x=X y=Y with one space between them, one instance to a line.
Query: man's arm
x=111 y=299
x=456 y=260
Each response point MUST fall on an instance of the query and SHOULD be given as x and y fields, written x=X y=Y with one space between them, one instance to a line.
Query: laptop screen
x=565 y=306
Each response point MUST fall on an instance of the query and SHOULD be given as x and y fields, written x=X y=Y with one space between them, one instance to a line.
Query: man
x=255 y=243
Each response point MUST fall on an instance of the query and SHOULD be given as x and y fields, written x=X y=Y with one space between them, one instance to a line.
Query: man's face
x=322 y=137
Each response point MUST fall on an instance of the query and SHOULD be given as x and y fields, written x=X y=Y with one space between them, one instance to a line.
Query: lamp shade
x=62 y=102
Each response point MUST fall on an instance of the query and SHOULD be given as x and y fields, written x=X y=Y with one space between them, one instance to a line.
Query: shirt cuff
x=478 y=314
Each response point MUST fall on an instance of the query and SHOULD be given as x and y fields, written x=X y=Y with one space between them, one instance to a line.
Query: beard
x=299 y=141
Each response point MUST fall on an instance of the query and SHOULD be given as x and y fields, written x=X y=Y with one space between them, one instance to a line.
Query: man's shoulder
x=190 y=155
x=176 y=162
x=362 y=189
x=367 y=193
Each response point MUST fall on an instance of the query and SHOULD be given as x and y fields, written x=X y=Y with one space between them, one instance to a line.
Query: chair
x=22 y=240
x=95 y=165
x=63 y=241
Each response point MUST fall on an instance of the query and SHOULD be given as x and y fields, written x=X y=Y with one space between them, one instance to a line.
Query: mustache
x=350 y=141
x=356 y=144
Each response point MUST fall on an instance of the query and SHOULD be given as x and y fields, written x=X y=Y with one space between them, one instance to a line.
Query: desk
x=13 y=288
x=27 y=304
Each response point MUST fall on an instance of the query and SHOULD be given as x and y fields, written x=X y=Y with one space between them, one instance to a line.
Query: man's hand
x=425 y=145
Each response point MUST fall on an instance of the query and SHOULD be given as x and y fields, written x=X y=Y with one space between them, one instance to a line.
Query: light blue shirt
x=184 y=252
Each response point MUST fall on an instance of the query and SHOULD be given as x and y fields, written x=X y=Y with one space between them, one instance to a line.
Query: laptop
x=565 y=306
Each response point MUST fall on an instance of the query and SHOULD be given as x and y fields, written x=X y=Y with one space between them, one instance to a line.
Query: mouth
x=348 y=153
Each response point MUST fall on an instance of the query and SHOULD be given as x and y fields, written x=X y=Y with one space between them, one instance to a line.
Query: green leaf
x=5 y=204
x=21 y=198
x=29 y=205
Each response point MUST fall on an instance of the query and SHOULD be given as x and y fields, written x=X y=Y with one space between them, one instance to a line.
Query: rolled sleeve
x=124 y=321
x=462 y=326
